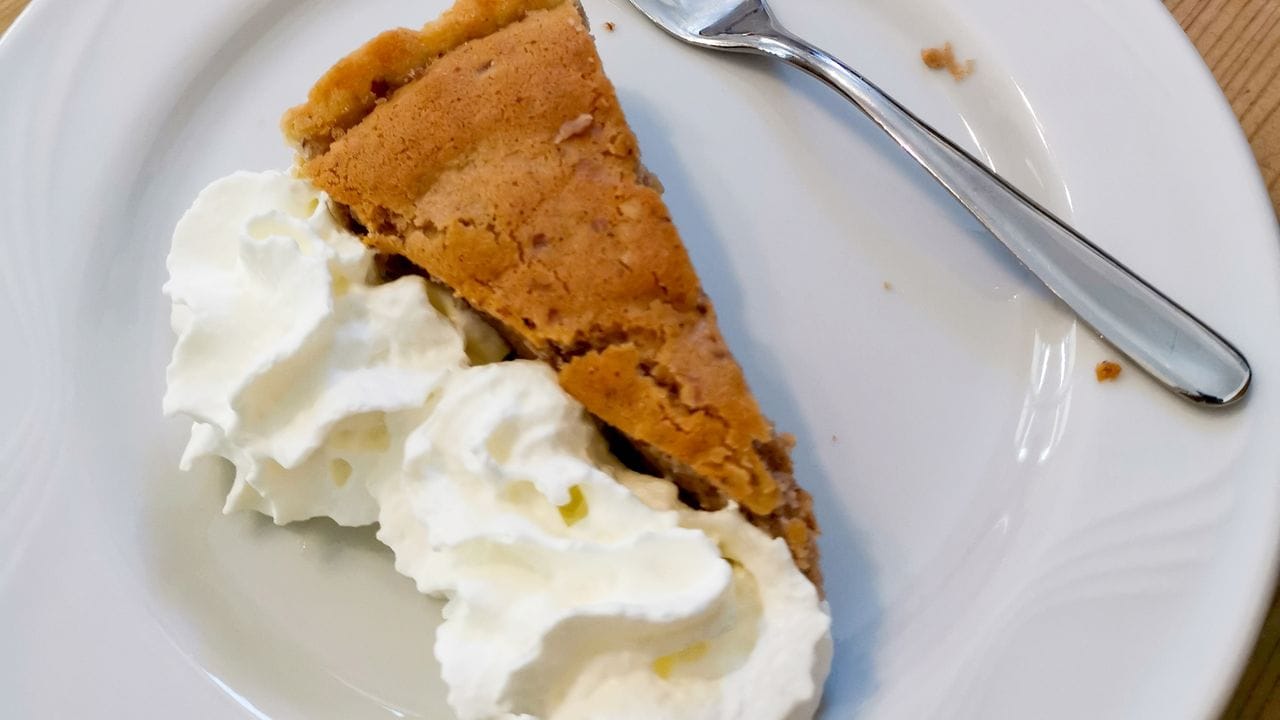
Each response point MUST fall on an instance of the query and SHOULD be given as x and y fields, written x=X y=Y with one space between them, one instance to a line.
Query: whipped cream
x=575 y=587
x=293 y=364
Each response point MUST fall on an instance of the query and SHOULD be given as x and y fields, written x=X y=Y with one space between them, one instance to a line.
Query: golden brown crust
x=507 y=171
x=351 y=88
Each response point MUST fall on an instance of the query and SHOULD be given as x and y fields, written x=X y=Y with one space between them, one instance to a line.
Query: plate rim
x=22 y=36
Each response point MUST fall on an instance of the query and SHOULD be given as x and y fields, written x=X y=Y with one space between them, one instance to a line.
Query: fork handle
x=1156 y=333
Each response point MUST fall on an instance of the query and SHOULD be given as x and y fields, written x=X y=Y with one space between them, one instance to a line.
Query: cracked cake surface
x=490 y=150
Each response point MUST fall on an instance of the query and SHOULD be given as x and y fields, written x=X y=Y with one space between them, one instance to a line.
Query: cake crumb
x=888 y=286
x=834 y=439
x=944 y=58
x=1107 y=371
x=610 y=27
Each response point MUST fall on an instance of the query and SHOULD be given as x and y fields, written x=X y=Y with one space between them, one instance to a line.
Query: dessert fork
x=1166 y=341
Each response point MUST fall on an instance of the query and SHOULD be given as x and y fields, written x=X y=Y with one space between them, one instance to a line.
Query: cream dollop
x=294 y=365
x=575 y=587
x=579 y=589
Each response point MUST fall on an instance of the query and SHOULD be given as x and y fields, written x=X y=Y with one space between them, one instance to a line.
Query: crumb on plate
x=888 y=286
x=610 y=27
x=1107 y=371
x=944 y=58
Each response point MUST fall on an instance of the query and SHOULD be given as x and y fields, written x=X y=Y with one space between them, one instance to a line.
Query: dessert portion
x=575 y=587
x=488 y=155
x=490 y=150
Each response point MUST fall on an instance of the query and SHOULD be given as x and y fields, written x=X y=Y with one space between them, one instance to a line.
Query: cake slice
x=489 y=149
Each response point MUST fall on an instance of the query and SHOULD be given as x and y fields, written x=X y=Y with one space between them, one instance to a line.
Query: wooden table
x=1240 y=41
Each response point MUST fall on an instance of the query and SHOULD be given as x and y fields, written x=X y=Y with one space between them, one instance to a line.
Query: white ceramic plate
x=1005 y=537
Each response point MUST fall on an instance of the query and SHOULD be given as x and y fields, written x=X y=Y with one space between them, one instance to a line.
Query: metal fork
x=1163 y=339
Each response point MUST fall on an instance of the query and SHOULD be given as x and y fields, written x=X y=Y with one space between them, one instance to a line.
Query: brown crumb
x=944 y=58
x=835 y=439
x=610 y=27
x=888 y=286
x=1107 y=371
